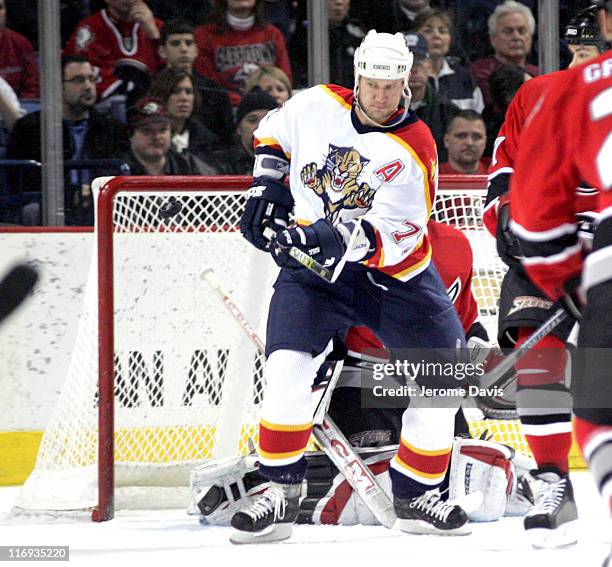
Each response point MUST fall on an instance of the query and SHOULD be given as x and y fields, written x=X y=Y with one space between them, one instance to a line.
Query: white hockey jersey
x=341 y=169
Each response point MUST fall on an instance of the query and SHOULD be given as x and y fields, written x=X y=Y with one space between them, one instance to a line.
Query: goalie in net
x=477 y=465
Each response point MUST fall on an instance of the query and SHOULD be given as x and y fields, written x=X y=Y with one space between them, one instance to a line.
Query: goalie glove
x=268 y=205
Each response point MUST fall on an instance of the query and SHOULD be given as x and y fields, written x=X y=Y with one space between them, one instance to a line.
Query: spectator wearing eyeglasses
x=87 y=134
x=465 y=141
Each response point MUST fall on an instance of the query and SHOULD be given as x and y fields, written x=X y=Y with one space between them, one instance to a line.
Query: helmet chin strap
x=406 y=94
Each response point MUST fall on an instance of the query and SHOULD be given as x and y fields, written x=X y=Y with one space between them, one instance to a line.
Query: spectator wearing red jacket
x=235 y=41
x=122 y=42
x=17 y=60
x=511 y=29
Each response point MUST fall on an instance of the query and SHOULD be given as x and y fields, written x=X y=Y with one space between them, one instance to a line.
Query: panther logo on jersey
x=337 y=181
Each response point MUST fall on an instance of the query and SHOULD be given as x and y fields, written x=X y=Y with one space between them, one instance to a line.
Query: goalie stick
x=325 y=431
x=496 y=375
x=15 y=287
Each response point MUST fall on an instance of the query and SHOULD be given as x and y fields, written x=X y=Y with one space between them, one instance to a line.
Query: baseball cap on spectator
x=255 y=99
x=147 y=111
x=417 y=44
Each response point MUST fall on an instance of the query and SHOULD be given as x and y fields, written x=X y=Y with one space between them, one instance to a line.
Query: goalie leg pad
x=482 y=466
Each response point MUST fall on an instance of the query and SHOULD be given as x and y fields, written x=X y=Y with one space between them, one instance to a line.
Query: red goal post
x=178 y=381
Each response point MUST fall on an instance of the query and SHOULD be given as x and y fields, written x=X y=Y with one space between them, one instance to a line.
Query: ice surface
x=174 y=539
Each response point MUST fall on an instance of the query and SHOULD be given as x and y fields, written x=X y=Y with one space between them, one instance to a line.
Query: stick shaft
x=495 y=376
x=234 y=310
x=304 y=259
x=325 y=431
x=354 y=470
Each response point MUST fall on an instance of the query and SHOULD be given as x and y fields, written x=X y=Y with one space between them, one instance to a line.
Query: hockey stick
x=15 y=287
x=326 y=433
x=496 y=375
x=356 y=473
x=311 y=264
x=213 y=281
x=323 y=405
x=304 y=259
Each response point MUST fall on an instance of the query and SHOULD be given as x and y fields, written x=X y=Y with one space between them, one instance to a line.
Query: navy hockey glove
x=268 y=205
x=508 y=246
x=321 y=240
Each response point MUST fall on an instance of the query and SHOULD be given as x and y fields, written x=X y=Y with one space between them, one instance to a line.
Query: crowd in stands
x=175 y=88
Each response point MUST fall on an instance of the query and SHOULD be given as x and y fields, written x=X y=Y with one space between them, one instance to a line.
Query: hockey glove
x=321 y=240
x=508 y=246
x=268 y=205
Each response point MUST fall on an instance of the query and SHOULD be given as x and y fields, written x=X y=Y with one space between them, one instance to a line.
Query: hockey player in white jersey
x=362 y=174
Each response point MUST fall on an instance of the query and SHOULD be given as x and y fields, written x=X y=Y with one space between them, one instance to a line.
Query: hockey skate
x=550 y=523
x=429 y=514
x=270 y=518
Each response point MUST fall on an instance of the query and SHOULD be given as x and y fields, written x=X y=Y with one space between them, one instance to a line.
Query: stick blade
x=15 y=287
x=209 y=276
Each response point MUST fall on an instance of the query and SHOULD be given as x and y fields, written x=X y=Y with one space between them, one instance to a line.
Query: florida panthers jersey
x=568 y=139
x=452 y=256
x=340 y=169
x=507 y=142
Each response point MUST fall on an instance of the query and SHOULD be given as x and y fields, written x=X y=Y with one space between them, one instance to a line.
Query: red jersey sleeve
x=506 y=145
x=568 y=139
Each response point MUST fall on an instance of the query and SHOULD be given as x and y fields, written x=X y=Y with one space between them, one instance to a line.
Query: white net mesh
x=188 y=383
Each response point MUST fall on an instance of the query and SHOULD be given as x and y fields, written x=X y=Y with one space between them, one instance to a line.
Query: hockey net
x=158 y=356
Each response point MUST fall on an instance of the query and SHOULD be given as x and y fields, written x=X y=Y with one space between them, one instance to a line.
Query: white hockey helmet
x=383 y=56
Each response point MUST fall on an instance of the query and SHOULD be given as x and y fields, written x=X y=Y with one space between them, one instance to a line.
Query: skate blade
x=274 y=533
x=419 y=527
x=563 y=536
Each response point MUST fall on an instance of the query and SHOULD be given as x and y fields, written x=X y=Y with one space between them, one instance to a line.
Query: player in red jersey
x=569 y=139
x=523 y=307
